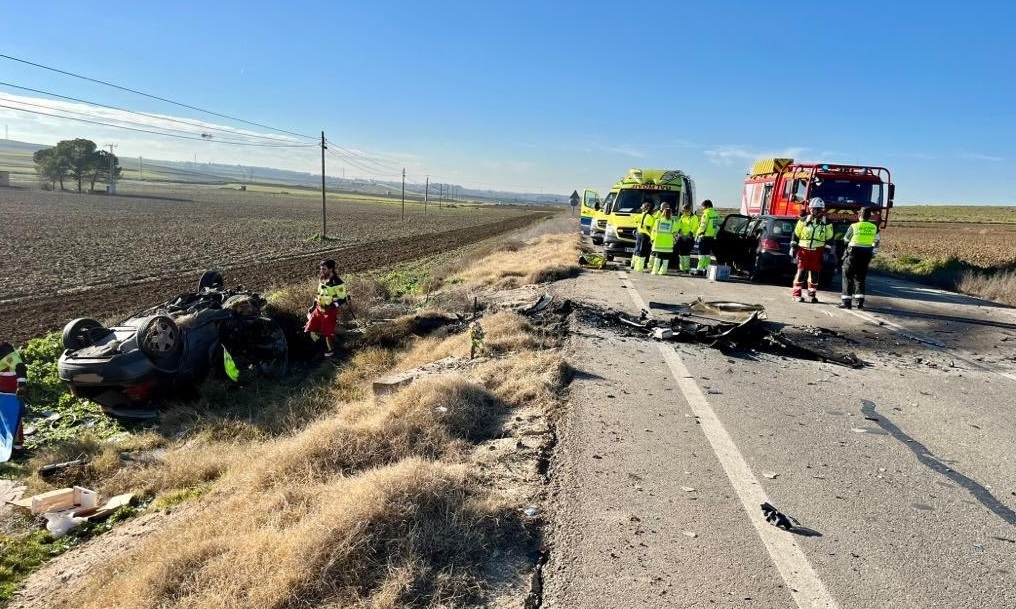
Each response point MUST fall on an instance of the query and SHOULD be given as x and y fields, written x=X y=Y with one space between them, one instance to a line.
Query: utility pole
x=324 y=218
x=111 y=185
x=403 y=193
x=426 y=195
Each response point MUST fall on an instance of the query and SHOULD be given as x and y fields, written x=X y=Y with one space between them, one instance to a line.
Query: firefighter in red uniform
x=13 y=379
x=808 y=245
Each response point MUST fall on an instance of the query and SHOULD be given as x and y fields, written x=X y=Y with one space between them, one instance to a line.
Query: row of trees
x=79 y=160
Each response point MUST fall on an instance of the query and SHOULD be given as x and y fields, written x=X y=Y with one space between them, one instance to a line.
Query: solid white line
x=802 y=581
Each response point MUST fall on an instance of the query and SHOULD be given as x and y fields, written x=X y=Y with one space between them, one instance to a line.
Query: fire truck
x=781 y=187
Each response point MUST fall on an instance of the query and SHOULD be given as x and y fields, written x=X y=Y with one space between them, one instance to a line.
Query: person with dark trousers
x=14 y=379
x=862 y=243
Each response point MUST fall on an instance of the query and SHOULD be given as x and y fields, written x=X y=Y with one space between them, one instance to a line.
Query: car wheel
x=609 y=257
x=757 y=273
x=160 y=339
x=210 y=280
x=80 y=333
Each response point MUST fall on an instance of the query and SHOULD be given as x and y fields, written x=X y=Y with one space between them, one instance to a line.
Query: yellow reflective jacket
x=663 y=235
x=331 y=293
x=646 y=223
x=709 y=224
x=812 y=234
x=687 y=226
x=861 y=234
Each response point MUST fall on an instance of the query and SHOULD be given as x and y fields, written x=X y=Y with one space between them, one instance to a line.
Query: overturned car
x=169 y=348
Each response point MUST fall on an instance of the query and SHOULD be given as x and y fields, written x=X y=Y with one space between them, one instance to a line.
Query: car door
x=730 y=244
x=590 y=205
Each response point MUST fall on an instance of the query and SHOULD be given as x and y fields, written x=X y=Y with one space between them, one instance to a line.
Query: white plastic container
x=718 y=272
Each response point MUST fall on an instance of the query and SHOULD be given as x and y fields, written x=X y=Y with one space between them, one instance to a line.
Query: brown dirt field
x=984 y=245
x=66 y=255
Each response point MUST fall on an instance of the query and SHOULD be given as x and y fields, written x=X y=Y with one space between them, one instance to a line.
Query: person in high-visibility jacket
x=14 y=379
x=705 y=236
x=323 y=314
x=808 y=245
x=862 y=243
x=687 y=226
x=663 y=241
x=643 y=238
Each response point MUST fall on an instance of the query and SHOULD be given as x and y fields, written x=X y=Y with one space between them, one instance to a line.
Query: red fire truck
x=781 y=187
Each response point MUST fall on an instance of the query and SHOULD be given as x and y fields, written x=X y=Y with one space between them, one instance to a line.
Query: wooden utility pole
x=403 y=193
x=426 y=194
x=324 y=216
x=111 y=185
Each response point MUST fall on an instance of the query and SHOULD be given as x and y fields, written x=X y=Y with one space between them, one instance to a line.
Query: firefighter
x=14 y=379
x=862 y=243
x=807 y=245
x=687 y=226
x=643 y=240
x=663 y=241
x=705 y=235
x=322 y=315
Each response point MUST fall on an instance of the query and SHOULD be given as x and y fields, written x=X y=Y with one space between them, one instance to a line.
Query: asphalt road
x=901 y=473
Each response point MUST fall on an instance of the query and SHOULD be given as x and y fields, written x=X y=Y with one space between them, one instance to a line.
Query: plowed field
x=984 y=245
x=66 y=255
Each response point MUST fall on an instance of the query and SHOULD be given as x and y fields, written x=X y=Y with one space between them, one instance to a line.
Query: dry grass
x=363 y=502
x=548 y=258
x=998 y=287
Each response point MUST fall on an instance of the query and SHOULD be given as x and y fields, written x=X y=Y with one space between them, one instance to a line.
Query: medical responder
x=687 y=226
x=643 y=239
x=808 y=245
x=323 y=314
x=663 y=241
x=705 y=236
x=14 y=379
x=862 y=241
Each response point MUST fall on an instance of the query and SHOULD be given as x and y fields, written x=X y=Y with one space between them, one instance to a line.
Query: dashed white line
x=805 y=587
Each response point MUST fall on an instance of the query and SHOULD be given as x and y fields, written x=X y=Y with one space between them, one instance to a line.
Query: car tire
x=210 y=280
x=757 y=273
x=80 y=333
x=161 y=340
x=609 y=257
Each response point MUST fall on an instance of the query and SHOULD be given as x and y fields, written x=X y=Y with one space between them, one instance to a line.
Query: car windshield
x=630 y=201
x=848 y=191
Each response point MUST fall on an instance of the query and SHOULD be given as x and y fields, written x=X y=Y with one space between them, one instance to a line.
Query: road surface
x=901 y=473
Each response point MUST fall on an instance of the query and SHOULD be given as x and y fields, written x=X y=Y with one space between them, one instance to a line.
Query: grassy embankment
x=315 y=492
x=971 y=249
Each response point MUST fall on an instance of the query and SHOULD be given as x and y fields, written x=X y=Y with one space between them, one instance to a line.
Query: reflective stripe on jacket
x=646 y=223
x=810 y=234
x=709 y=225
x=861 y=234
x=663 y=235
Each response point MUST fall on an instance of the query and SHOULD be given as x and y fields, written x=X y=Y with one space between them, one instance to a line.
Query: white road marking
x=802 y=581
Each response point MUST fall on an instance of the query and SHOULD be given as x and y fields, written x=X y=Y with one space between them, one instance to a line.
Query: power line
x=118 y=109
x=367 y=159
x=163 y=99
x=183 y=137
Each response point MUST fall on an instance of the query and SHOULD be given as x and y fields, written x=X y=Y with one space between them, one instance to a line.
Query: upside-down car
x=171 y=347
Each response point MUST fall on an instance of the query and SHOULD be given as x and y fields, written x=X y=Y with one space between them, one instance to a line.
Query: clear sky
x=547 y=96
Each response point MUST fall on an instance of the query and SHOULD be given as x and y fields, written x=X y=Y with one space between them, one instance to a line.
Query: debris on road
x=777 y=518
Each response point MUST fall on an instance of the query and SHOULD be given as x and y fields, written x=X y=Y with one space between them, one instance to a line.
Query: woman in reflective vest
x=663 y=241
x=862 y=242
x=687 y=226
x=808 y=245
x=13 y=379
x=324 y=313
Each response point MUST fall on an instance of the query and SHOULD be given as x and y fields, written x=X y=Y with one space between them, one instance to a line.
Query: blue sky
x=550 y=96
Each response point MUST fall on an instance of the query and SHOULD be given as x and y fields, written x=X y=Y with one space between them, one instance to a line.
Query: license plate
x=629 y=250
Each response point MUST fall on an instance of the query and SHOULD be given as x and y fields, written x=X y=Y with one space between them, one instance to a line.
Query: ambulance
x=622 y=206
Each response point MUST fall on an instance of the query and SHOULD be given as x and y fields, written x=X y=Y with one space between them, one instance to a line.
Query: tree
x=100 y=168
x=80 y=156
x=50 y=166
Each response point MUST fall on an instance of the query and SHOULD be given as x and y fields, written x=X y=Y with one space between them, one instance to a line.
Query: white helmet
x=816 y=203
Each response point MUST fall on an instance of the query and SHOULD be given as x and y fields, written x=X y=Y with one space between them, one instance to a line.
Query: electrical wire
x=203 y=127
x=149 y=95
x=382 y=166
x=183 y=137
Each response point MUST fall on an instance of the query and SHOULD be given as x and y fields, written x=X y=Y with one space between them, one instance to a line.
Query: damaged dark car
x=167 y=349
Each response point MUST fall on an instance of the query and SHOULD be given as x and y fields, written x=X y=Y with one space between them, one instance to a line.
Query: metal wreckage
x=732 y=327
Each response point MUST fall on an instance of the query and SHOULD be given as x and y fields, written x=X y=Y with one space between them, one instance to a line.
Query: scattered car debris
x=48 y=471
x=777 y=518
x=66 y=508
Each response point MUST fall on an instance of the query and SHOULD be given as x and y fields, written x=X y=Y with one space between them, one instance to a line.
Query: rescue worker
x=705 y=236
x=808 y=245
x=687 y=226
x=323 y=314
x=14 y=379
x=643 y=240
x=663 y=241
x=862 y=243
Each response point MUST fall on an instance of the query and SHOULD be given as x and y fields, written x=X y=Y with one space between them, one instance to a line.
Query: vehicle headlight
x=612 y=231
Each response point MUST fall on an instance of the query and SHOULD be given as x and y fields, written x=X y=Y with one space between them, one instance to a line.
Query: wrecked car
x=169 y=348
